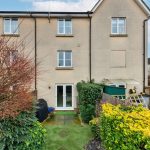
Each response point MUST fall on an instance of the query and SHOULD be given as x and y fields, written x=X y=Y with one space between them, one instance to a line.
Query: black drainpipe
x=35 y=55
x=35 y=36
x=90 y=46
x=144 y=49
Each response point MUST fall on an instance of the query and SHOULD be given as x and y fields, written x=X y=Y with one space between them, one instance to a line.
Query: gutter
x=90 y=46
x=42 y=14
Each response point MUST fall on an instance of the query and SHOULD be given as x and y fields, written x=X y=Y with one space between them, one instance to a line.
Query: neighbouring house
x=148 y=71
x=108 y=42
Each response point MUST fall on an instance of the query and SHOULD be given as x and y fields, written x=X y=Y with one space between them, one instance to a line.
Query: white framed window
x=10 y=25
x=64 y=58
x=118 y=25
x=64 y=26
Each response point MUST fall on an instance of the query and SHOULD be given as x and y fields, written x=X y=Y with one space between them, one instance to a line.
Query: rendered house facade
x=105 y=43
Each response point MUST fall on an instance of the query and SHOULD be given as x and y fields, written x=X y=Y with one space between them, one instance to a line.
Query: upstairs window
x=10 y=25
x=64 y=59
x=64 y=26
x=118 y=26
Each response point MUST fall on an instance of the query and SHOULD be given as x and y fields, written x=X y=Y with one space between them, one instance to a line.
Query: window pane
x=114 y=21
x=114 y=25
x=61 y=55
x=61 y=26
x=68 y=30
x=6 y=25
x=68 y=23
x=14 y=26
x=68 y=96
x=68 y=63
x=68 y=55
x=61 y=62
x=114 y=29
x=61 y=30
x=121 y=23
x=121 y=29
x=68 y=27
x=59 y=96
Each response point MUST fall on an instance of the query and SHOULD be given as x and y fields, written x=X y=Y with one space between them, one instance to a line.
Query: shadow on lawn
x=62 y=118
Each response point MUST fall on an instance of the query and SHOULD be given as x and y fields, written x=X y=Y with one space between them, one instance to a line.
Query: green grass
x=67 y=137
x=65 y=113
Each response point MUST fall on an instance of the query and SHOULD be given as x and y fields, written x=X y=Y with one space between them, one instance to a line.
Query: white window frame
x=64 y=65
x=64 y=96
x=64 y=26
x=10 y=26
x=125 y=25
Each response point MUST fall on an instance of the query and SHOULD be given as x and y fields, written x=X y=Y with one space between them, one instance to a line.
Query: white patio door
x=64 y=96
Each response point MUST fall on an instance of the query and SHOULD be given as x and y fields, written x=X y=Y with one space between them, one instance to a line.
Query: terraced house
x=108 y=42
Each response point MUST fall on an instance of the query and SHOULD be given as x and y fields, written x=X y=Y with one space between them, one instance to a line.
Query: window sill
x=14 y=35
x=64 y=68
x=118 y=67
x=64 y=35
x=118 y=35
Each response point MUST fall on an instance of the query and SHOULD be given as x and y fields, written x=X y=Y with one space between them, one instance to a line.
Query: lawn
x=66 y=136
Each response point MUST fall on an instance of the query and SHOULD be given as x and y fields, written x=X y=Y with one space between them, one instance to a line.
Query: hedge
x=88 y=93
x=21 y=133
x=125 y=128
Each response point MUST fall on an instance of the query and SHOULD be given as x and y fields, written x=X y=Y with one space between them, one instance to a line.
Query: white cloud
x=58 y=5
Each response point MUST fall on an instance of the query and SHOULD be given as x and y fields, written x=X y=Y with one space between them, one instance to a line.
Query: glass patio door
x=64 y=96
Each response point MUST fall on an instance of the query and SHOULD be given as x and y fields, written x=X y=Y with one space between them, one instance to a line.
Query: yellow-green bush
x=125 y=128
x=94 y=124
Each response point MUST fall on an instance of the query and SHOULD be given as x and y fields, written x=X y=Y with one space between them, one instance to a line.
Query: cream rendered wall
x=48 y=44
x=25 y=36
x=103 y=44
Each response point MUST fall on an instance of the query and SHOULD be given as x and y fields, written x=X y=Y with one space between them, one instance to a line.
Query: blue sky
x=15 y=5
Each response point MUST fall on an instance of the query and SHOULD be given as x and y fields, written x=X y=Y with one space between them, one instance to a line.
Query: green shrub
x=87 y=112
x=88 y=93
x=94 y=124
x=21 y=133
x=125 y=128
